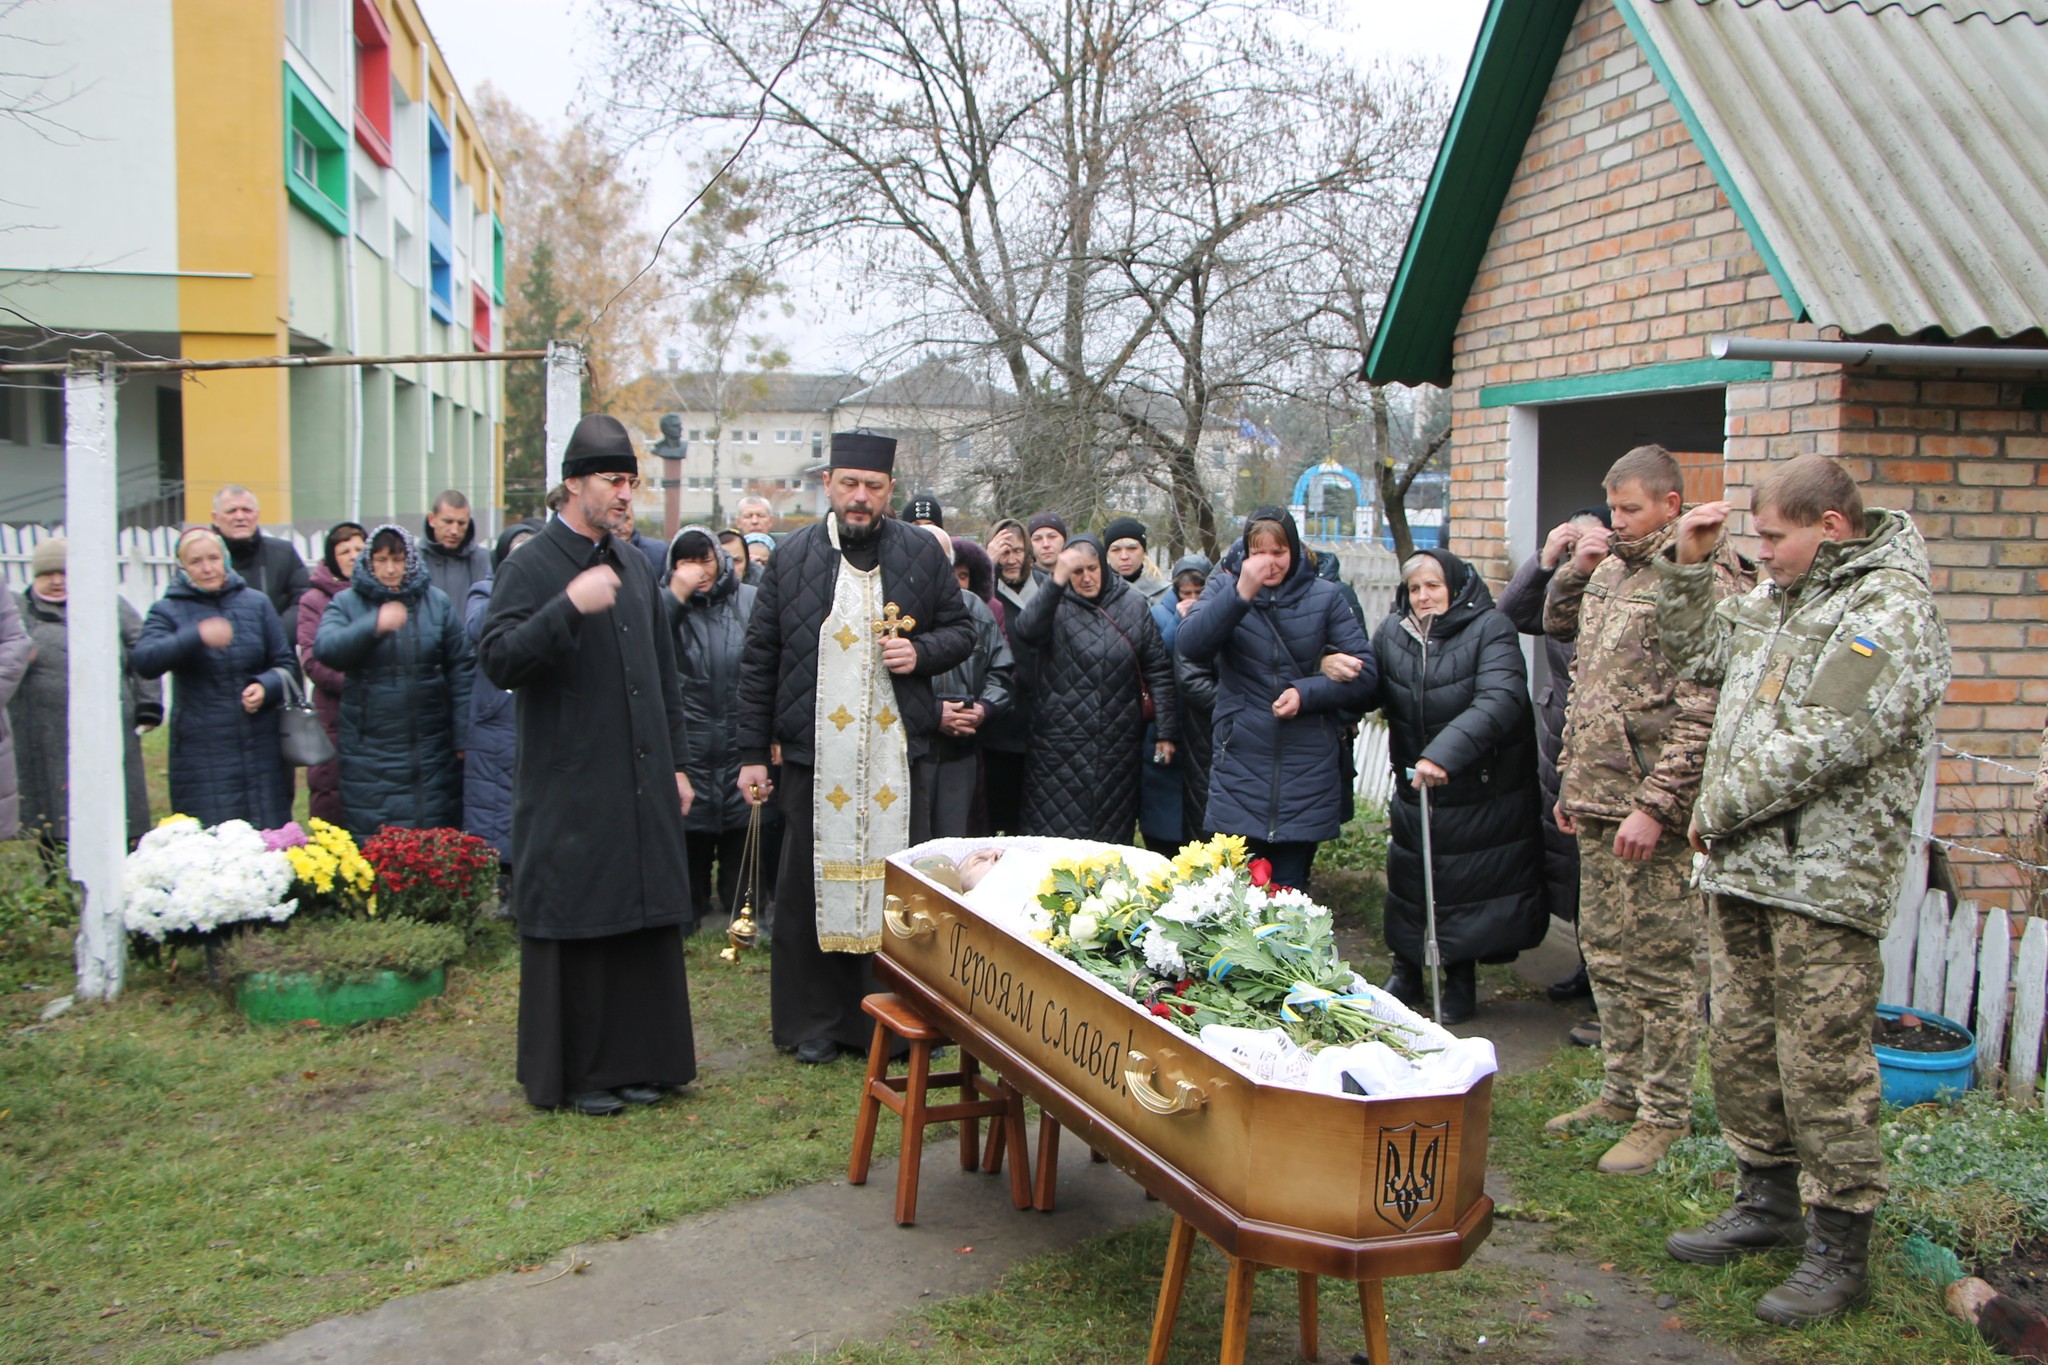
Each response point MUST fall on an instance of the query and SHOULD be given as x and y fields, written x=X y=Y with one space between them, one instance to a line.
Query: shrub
x=342 y=950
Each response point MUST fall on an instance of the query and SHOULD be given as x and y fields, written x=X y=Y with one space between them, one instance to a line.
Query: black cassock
x=600 y=881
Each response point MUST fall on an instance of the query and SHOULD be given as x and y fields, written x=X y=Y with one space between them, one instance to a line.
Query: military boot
x=1597 y=1110
x=1641 y=1148
x=1764 y=1217
x=1833 y=1277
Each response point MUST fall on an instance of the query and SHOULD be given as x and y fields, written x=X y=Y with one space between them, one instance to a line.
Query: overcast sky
x=541 y=54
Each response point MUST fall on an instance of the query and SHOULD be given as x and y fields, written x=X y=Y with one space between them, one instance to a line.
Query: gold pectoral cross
x=893 y=623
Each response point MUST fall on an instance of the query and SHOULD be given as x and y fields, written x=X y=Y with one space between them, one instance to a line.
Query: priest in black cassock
x=577 y=632
x=856 y=616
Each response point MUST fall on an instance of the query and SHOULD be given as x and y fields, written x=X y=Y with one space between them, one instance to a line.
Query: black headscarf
x=509 y=537
x=1087 y=540
x=337 y=533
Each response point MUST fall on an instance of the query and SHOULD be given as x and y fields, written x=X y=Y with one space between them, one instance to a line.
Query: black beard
x=857 y=536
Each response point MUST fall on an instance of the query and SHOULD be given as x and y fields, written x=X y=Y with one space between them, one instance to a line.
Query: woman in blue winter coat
x=407 y=667
x=493 y=738
x=1266 y=620
x=709 y=605
x=229 y=661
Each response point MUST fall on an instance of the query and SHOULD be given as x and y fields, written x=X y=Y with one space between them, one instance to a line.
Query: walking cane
x=1431 y=957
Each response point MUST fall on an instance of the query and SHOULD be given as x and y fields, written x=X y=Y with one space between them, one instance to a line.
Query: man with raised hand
x=1830 y=674
x=1628 y=766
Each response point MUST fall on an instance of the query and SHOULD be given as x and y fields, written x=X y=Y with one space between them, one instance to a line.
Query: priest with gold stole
x=856 y=616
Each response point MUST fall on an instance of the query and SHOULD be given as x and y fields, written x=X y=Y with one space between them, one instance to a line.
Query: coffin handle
x=1186 y=1098
x=917 y=924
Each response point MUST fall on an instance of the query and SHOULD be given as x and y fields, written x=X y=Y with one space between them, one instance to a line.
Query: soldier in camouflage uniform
x=1830 y=675
x=1634 y=738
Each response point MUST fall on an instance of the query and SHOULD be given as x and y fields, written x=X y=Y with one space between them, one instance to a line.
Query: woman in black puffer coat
x=225 y=649
x=1097 y=652
x=709 y=605
x=408 y=667
x=1455 y=694
x=1267 y=619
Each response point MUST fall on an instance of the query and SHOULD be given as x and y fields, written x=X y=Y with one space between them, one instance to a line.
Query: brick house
x=1644 y=215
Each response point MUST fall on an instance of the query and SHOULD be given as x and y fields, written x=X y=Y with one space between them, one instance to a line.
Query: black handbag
x=301 y=739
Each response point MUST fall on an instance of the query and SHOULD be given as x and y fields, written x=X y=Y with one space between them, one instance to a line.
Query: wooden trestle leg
x=1310 y=1312
x=1180 y=1247
x=1372 y=1305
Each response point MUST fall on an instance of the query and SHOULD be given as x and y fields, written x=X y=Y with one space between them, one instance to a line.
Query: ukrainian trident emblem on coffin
x=1411 y=1163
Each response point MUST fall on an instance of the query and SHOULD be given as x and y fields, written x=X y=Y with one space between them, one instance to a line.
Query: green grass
x=174 y=1181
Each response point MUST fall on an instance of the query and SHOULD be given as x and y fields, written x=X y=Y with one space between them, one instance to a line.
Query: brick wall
x=1614 y=250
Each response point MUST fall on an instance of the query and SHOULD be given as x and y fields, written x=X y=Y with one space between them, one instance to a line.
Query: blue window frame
x=440 y=206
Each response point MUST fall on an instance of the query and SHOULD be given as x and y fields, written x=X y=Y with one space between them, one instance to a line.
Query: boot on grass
x=1598 y=1110
x=1764 y=1217
x=1641 y=1148
x=1832 y=1278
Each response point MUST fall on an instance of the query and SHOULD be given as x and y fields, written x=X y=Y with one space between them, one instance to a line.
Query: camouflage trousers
x=1640 y=929
x=1795 y=1076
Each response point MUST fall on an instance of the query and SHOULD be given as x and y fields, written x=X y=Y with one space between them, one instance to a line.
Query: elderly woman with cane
x=1455 y=694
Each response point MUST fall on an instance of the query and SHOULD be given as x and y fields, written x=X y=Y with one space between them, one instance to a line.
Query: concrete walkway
x=817 y=1267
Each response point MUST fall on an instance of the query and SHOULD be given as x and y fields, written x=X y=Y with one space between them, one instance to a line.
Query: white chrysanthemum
x=1162 y=954
x=186 y=877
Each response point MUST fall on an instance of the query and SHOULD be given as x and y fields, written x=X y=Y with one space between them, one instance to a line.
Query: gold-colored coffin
x=1363 y=1189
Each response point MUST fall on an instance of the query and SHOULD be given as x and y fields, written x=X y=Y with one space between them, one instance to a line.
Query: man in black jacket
x=577 y=630
x=831 y=679
x=269 y=565
x=455 y=562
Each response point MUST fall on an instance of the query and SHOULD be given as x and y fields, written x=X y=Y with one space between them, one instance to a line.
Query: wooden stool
x=1237 y=1304
x=905 y=1097
x=1047 y=1180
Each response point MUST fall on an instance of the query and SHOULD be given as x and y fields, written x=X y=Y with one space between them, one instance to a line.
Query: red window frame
x=480 y=317
x=373 y=82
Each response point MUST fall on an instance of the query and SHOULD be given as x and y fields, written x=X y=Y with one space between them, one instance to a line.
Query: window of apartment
x=316 y=156
x=405 y=252
x=441 y=204
x=480 y=317
x=817 y=445
x=373 y=82
x=699 y=483
x=739 y=485
x=753 y=438
x=696 y=433
x=497 y=260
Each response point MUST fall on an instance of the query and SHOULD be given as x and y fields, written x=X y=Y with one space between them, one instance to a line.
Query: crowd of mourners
x=1060 y=683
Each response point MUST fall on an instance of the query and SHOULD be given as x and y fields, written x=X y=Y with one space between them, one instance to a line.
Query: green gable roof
x=1520 y=42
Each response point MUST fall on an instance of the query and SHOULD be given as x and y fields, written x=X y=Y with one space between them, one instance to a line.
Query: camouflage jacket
x=1636 y=733
x=1829 y=690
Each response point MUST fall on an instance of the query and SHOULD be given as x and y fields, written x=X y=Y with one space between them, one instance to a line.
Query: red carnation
x=1161 y=1010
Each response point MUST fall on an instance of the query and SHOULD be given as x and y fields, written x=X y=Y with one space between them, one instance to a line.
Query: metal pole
x=98 y=802
x=564 y=403
x=1879 y=353
x=1431 y=956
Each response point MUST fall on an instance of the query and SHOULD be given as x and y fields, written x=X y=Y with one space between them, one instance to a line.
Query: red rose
x=1161 y=1010
x=1262 y=872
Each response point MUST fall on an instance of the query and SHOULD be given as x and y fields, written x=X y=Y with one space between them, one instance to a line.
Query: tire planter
x=1918 y=1077
x=291 y=998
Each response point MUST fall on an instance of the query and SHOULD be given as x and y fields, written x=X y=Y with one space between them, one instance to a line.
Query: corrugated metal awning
x=1890 y=156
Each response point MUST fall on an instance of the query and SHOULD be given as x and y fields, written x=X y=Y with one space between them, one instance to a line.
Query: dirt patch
x=2023 y=1276
x=1915 y=1033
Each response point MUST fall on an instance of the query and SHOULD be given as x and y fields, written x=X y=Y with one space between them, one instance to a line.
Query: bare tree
x=1087 y=192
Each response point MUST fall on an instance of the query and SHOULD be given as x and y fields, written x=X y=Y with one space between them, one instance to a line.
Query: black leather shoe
x=595 y=1103
x=817 y=1051
x=1577 y=986
x=1461 y=993
x=640 y=1094
x=1407 y=985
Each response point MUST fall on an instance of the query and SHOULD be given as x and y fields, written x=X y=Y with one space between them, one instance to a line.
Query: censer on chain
x=741 y=930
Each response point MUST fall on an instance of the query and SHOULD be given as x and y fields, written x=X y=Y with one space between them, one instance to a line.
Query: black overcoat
x=1521 y=601
x=597 y=831
x=779 y=670
x=1465 y=707
x=710 y=633
x=1088 y=732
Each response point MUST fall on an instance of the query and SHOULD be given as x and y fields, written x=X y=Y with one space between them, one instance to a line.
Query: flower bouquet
x=189 y=879
x=1210 y=941
x=438 y=876
x=331 y=878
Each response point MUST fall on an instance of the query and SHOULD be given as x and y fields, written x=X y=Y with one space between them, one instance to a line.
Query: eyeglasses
x=617 y=481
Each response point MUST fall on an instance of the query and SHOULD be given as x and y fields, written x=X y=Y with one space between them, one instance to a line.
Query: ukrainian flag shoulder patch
x=1866 y=648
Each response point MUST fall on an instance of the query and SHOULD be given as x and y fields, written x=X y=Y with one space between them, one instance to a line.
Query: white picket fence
x=1375 y=781
x=148 y=557
x=1961 y=963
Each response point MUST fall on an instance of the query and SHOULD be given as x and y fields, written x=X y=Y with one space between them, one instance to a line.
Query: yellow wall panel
x=230 y=139
x=237 y=426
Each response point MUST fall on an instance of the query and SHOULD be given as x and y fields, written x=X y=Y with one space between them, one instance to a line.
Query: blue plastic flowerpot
x=1917 y=1077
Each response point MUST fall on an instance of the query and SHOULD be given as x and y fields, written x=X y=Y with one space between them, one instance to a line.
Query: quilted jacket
x=779 y=669
x=493 y=742
x=224 y=762
x=404 y=701
x=1461 y=700
x=1274 y=779
x=711 y=634
x=1088 y=728
x=1521 y=601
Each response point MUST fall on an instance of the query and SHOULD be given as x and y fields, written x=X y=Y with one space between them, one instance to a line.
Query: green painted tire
x=271 y=998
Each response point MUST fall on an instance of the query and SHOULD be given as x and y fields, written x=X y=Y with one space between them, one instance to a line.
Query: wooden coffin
x=1336 y=1185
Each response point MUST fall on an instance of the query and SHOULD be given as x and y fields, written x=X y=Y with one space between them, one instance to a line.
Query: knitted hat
x=1124 y=528
x=925 y=507
x=47 y=557
x=1044 y=519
